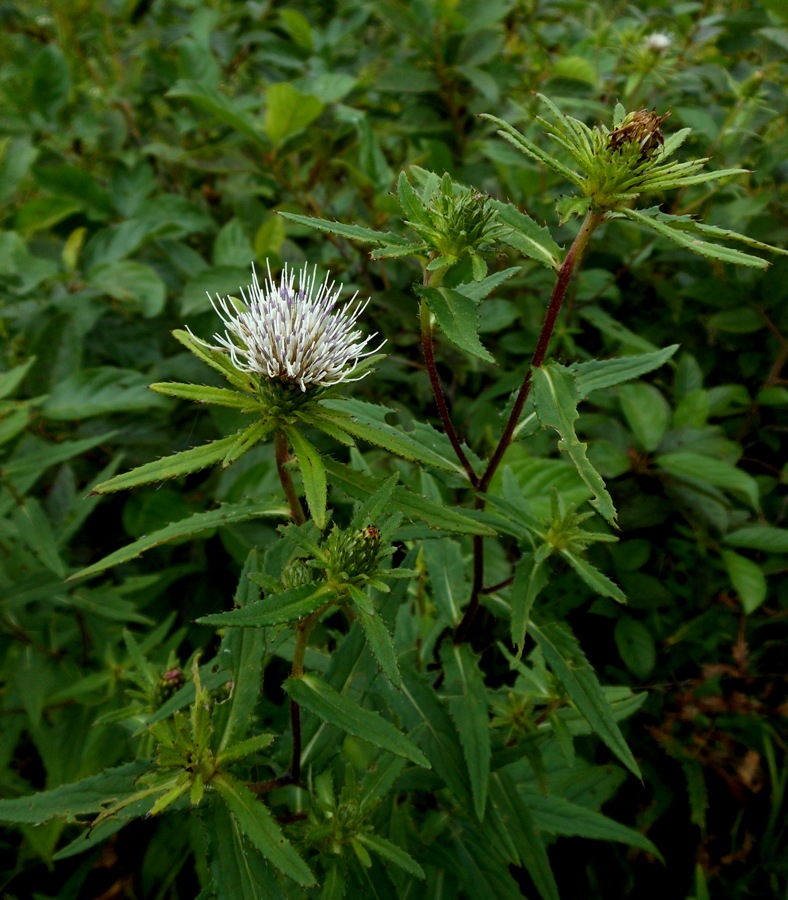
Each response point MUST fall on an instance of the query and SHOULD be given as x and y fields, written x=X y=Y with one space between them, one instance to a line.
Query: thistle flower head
x=658 y=42
x=294 y=334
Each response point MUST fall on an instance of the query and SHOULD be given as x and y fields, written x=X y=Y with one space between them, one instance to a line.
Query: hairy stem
x=591 y=222
x=282 y=456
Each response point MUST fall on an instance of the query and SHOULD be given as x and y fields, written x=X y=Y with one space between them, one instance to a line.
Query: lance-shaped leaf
x=458 y=317
x=391 y=853
x=523 y=833
x=569 y=664
x=237 y=869
x=183 y=463
x=377 y=635
x=216 y=359
x=529 y=148
x=368 y=422
x=353 y=232
x=226 y=514
x=468 y=702
x=595 y=579
x=696 y=245
x=70 y=800
x=320 y=698
x=446 y=567
x=361 y=486
x=313 y=475
x=378 y=502
x=597 y=374
x=261 y=828
x=201 y=393
x=529 y=579
x=700 y=469
x=555 y=400
x=530 y=239
x=288 y=606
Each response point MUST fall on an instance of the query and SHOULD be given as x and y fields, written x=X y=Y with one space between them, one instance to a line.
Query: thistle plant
x=408 y=708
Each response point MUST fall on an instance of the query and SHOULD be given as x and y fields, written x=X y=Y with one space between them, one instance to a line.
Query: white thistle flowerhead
x=658 y=42
x=294 y=334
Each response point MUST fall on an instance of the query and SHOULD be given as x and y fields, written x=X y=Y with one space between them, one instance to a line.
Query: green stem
x=282 y=456
x=591 y=222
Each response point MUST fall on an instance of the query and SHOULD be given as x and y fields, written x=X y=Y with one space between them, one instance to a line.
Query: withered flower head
x=642 y=128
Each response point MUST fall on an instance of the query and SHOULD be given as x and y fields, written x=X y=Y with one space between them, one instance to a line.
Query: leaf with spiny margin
x=216 y=359
x=529 y=579
x=695 y=245
x=313 y=475
x=597 y=374
x=360 y=486
x=70 y=800
x=468 y=702
x=260 y=827
x=183 y=463
x=245 y=440
x=201 y=393
x=556 y=399
x=412 y=205
x=226 y=514
x=287 y=606
x=595 y=579
x=570 y=666
x=352 y=232
x=529 y=148
x=370 y=511
x=377 y=635
x=320 y=698
x=458 y=317
x=368 y=422
x=391 y=853
x=242 y=651
x=520 y=826
x=237 y=869
x=532 y=240
x=478 y=290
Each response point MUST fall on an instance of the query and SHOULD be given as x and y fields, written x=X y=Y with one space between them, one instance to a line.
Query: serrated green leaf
x=371 y=511
x=259 y=826
x=392 y=853
x=595 y=579
x=529 y=579
x=183 y=463
x=517 y=819
x=367 y=422
x=320 y=698
x=242 y=651
x=226 y=514
x=237 y=868
x=466 y=695
x=378 y=639
x=532 y=240
x=71 y=800
x=200 y=393
x=569 y=664
x=704 y=248
x=446 y=567
x=216 y=359
x=559 y=816
x=524 y=145
x=361 y=486
x=352 y=232
x=597 y=374
x=313 y=475
x=458 y=317
x=412 y=205
x=555 y=400
x=287 y=606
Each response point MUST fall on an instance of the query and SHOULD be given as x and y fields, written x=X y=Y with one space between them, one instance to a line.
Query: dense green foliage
x=612 y=721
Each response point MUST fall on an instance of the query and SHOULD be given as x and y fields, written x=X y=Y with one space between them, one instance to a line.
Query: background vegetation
x=146 y=150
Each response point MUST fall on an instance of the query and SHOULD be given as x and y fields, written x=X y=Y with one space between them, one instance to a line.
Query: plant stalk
x=282 y=456
x=591 y=222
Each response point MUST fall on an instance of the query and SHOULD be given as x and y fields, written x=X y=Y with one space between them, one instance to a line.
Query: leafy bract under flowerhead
x=293 y=335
